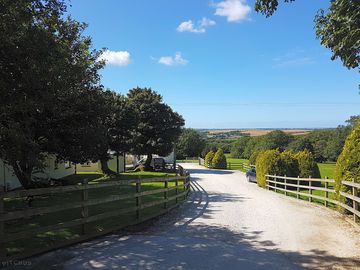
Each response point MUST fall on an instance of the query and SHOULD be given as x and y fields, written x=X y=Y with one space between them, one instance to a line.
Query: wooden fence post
x=177 y=190
x=2 y=210
x=166 y=194
x=275 y=179
x=285 y=185
x=298 y=188
x=85 y=209
x=355 y=204
x=326 y=192
x=138 y=198
x=310 y=190
x=229 y=166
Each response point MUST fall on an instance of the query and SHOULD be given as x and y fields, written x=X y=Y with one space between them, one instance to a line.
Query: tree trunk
x=148 y=163
x=23 y=173
x=105 y=168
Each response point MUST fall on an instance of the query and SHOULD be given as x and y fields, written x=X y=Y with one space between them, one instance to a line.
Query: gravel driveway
x=227 y=223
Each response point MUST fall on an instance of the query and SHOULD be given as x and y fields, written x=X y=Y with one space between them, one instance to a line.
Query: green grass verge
x=320 y=193
x=53 y=237
x=327 y=170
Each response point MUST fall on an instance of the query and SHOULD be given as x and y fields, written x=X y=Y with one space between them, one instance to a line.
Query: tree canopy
x=48 y=78
x=190 y=144
x=158 y=126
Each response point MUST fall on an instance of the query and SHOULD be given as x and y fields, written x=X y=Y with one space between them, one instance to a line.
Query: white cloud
x=118 y=58
x=234 y=10
x=177 y=60
x=200 y=27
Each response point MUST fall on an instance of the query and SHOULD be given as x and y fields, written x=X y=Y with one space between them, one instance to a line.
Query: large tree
x=190 y=144
x=118 y=125
x=158 y=126
x=338 y=28
x=48 y=82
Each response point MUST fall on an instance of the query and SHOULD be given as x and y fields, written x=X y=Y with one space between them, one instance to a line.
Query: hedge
x=267 y=162
x=287 y=163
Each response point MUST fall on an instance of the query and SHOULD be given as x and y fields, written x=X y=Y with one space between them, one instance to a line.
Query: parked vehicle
x=158 y=164
x=251 y=175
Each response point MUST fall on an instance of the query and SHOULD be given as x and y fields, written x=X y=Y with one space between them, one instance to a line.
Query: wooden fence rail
x=181 y=192
x=306 y=187
x=239 y=166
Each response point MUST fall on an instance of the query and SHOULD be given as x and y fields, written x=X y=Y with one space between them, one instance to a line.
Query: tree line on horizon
x=325 y=144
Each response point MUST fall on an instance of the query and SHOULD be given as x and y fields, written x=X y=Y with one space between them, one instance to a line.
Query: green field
x=53 y=237
x=327 y=170
x=235 y=163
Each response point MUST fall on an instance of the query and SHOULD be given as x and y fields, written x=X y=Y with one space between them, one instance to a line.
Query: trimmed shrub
x=219 y=160
x=307 y=165
x=348 y=163
x=208 y=158
x=289 y=164
x=267 y=162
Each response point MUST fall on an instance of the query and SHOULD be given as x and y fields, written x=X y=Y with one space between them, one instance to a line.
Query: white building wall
x=53 y=170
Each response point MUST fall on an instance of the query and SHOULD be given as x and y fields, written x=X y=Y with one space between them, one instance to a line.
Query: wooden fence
x=318 y=189
x=180 y=184
x=244 y=167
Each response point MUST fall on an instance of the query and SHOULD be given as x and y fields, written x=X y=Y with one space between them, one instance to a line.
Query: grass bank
x=327 y=170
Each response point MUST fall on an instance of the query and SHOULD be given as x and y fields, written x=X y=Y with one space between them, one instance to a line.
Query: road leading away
x=227 y=223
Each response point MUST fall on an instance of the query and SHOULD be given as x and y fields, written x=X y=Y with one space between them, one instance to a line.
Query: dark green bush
x=289 y=164
x=208 y=158
x=219 y=160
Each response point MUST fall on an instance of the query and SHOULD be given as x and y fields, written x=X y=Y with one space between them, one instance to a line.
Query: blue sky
x=222 y=65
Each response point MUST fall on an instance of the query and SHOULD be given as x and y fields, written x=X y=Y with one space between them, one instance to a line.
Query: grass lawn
x=327 y=170
x=235 y=163
x=52 y=237
x=187 y=161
